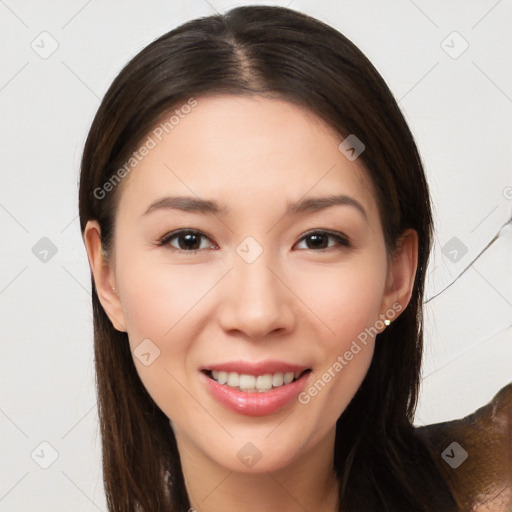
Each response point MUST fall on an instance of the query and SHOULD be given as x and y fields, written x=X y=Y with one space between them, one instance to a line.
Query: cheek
x=348 y=303
x=346 y=298
x=331 y=389
x=158 y=303
x=157 y=298
x=169 y=306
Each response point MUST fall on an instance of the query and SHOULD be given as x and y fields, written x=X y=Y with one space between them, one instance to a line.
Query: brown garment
x=475 y=455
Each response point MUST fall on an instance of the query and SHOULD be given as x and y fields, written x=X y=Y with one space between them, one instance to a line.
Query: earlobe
x=104 y=276
x=402 y=271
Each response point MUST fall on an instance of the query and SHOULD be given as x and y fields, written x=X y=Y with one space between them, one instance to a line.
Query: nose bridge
x=251 y=263
x=254 y=281
x=257 y=303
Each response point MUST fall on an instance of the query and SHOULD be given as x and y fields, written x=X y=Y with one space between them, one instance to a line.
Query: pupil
x=190 y=241
x=318 y=241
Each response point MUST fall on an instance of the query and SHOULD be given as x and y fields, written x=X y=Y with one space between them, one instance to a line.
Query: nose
x=255 y=302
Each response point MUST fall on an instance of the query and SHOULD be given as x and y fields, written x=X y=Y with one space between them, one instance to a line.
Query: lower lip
x=255 y=404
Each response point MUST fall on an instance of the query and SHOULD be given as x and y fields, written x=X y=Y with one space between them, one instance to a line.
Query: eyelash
x=340 y=238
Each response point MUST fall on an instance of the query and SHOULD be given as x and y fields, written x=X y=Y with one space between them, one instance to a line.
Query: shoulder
x=475 y=454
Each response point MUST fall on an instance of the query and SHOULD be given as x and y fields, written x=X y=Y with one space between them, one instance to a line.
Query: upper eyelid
x=172 y=234
x=324 y=232
x=180 y=231
x=343 y=239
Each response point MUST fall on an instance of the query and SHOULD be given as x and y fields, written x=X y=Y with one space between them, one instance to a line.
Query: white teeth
x=233 y=379
x=246 y=382
x=278 y=379
x=264 y=382
x=288 y=377
x=260 y=383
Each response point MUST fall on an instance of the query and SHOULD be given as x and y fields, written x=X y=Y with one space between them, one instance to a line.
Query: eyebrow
x=312 y=204
x=186 y=204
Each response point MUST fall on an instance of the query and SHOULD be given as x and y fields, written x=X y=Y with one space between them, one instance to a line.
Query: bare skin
x=303 y=300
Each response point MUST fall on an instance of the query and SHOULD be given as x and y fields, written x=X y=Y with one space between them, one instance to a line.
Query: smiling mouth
x=254 y=383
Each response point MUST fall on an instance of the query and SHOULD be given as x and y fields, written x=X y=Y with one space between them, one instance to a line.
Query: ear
x=104 y=276
x=401 y=273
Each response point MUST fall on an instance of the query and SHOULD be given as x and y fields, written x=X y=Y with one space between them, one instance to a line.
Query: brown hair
x=380 y=462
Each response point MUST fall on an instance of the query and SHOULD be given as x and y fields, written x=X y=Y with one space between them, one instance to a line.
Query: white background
x=459 y=107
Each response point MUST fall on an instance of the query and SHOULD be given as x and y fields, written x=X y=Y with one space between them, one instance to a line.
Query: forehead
x=240 y=149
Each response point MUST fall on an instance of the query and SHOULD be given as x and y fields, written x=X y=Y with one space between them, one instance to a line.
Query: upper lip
x=256 y=368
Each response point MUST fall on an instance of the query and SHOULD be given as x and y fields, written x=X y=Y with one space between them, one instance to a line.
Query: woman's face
x=249 y=248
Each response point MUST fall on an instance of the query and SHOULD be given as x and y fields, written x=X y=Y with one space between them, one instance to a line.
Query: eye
x=187 y=240
x=320 y=240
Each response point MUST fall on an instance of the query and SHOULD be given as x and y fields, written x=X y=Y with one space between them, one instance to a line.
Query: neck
x=308 y=483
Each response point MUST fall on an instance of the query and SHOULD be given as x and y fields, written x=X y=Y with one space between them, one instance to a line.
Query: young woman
x=258 y=226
